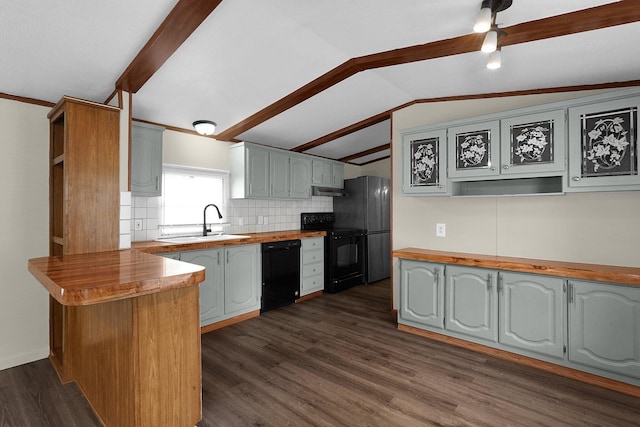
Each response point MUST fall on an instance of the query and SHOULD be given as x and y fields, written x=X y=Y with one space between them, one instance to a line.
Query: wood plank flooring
x=338 y=360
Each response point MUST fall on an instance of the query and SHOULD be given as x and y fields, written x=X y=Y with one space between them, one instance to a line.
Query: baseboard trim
x=230 y=321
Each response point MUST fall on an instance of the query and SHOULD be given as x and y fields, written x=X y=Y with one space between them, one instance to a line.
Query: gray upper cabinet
x=603 y=141
x=249 y=166
x=604 y=327
x=532 y=313
x=424 y=162
x=421 y=293
x=326 y=173
x=146 y=159
x=533 y=144
x=300 y=177
x=472 y=302
x=279 y=175
x=259 y=172
x=474 y=150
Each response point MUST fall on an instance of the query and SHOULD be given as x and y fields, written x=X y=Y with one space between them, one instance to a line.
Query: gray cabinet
x=604 y=327
x=326 y=173
x=232 y=280
x=242 y=279
x=146 y=159
x=472 y=302
x=424 y=162
x=312 y=265
x=279 y=175
x=300 y=187
x=421 y=293
x=533 y=144
x=532 y=313
x=474 y=150
x=212 y=288
x=603 y=143
x=267 y=173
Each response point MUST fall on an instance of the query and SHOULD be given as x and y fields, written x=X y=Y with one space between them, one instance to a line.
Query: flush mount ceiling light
x=486 y=23
x=204 y=127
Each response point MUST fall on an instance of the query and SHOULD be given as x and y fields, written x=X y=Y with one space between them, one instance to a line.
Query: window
x=185 y=193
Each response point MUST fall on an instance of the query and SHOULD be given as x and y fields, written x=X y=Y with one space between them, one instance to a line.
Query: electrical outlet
x=441 y=230
x=137 y=225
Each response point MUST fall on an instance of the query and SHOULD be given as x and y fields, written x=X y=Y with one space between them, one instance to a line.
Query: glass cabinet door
x=424 y=162
x=603 y=140
x=474 y=150
x=533 y=144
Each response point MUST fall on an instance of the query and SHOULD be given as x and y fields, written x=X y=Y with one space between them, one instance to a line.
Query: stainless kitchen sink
x=197 y=239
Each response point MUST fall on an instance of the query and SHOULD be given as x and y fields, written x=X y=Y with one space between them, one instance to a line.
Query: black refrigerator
x=367 y=206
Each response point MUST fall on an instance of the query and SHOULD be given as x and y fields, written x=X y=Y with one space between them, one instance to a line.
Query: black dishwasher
x=280 y=274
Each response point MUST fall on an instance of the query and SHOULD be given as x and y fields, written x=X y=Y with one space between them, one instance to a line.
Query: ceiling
x=317 y=77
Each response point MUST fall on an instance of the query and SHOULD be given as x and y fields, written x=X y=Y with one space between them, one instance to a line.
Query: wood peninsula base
x=126 y=328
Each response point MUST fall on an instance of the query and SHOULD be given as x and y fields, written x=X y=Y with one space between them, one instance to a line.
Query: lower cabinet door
x=421 y=293
x=471 y=302
x=242 y=279
x=604 y=327
x=531 y=313
x=212 y=288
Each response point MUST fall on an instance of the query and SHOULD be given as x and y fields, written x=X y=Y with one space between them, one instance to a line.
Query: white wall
x=24 y=226
x=597 y=228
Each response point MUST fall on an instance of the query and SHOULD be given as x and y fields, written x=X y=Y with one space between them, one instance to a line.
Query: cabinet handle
x=227 y=257
x=436 y=272
x=492 y=168
x=157 y=183
x=218 y=257
x=500 y=285
x=505 y=167
x=570 y=296
x=489 y=281
x=576 y=178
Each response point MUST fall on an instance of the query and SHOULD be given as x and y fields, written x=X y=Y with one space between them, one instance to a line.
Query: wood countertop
x=594 y=272
x=85 y=279
x=155 y=247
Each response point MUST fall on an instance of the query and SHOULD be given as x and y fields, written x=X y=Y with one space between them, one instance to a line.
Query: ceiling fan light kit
x=486 y=23
x=204 y=127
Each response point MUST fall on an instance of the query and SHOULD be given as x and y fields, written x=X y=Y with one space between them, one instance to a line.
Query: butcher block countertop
x=155 y=247
x=85 y=279
x=594 y=272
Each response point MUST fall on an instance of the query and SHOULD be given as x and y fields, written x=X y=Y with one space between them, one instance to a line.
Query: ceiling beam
x=184 y=18
x=378 y=118
x=366 y=153
x=619 y=13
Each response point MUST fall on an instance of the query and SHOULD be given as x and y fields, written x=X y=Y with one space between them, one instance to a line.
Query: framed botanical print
x=474 y=149
x=424 y=167
x=604 y=144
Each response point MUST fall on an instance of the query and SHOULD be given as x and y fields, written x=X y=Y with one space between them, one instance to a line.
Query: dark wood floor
x=338 y=360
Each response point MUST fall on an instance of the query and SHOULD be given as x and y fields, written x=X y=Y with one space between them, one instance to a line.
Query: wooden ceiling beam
x=378 y=118
x=620 y=13
x=182 y=21
x=366 y=153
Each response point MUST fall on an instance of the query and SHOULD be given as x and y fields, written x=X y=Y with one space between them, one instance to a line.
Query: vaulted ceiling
x=318 y=77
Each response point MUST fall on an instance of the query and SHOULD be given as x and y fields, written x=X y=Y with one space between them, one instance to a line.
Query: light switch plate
x=137 y=225
x=441 y=230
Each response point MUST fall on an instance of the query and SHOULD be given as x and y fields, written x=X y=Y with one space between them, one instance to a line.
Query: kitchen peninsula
x=131 y=334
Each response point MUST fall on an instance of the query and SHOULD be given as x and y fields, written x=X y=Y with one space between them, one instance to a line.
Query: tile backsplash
x=243 y=216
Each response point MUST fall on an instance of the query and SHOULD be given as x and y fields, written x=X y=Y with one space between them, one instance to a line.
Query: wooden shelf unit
x=84 y=196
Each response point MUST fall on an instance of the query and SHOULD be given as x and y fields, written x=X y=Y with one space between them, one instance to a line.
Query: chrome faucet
x=206 y=230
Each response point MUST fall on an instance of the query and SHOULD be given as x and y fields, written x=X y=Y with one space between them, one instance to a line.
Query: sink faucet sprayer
x=206 y=230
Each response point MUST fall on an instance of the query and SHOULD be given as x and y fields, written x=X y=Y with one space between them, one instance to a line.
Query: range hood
x=328 y=191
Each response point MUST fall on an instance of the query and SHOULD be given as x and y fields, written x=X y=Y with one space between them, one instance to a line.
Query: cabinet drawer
x=312 y=269
x=312 y=283
x=312 y=243
x=312 y=257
